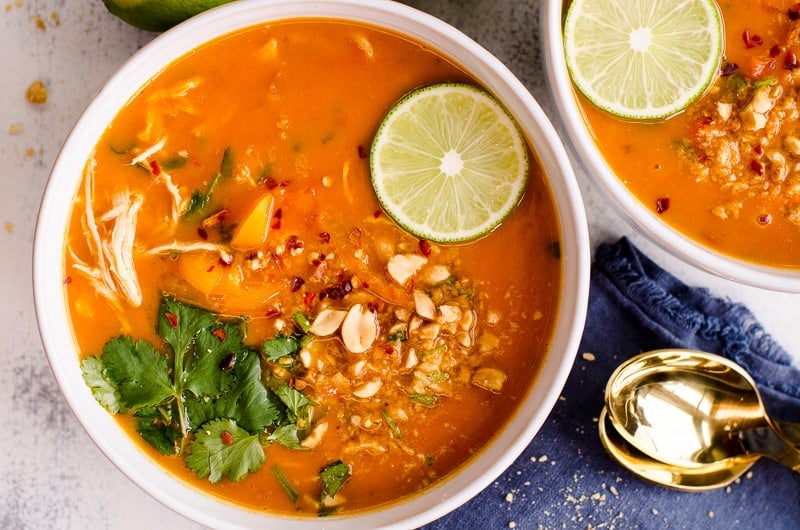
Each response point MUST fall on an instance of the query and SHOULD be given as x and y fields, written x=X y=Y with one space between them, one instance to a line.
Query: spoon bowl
x=696 y=478
x=693 y=409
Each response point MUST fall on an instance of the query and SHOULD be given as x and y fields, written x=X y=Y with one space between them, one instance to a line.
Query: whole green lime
x=158 y=15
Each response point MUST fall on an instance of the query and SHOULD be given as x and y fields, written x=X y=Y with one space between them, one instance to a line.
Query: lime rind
x=409 y=163
x=685 y=47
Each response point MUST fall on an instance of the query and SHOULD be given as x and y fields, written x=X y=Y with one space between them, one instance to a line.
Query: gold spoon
x=691 y=409
x=701 y=478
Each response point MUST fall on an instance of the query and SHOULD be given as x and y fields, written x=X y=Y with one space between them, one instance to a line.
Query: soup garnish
x=261 y=328
x=448 y=163
x=643 y=59
x=726 y=171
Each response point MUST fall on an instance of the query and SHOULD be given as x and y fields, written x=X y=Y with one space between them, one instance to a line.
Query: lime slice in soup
x=448 y=163
x=643 y=59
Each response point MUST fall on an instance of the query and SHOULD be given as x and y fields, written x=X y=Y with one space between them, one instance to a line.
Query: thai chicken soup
x=251 y=316
x=726 y=171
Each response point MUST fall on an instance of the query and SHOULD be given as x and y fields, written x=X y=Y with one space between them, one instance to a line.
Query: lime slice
x=158 y=15
x=448 y=163
x=643 y=59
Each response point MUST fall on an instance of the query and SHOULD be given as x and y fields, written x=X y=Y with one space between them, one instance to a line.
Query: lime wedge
x=448 y=163
x=643 y=59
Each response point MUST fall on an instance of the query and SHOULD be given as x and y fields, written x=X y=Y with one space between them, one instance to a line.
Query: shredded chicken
x=114 y=272
x=179 y=204
x=180 y=246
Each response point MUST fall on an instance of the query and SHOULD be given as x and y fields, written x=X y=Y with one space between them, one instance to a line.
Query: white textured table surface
x=51 y=476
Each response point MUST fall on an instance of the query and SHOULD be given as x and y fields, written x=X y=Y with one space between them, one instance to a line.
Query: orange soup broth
x=644 y=157
x=300 y=101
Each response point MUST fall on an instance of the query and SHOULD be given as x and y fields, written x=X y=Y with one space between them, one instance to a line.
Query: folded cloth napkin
x=564 y=479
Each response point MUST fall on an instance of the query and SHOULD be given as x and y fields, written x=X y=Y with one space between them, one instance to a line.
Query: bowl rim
x=641 y=218
x=48 y=270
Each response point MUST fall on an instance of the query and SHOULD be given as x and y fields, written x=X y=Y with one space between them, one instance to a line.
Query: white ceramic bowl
x=48 y=264
x=637 y=214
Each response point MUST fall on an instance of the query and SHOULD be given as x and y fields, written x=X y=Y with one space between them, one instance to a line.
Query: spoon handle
x=773 y=444
x=791 y=430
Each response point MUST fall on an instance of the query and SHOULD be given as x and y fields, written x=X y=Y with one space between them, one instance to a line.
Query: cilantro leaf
x=287 y=435
x=333 y=477
x=204 y=377
x=223 y=449
x=296 y=402
x=103 y=391
x=138 y=372
x=200 y=200
x=247 y=401
x=160 y=436
x=280 y=346
x=179 y=323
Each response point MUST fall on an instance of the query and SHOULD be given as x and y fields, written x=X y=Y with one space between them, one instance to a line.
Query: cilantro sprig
x=203 y=396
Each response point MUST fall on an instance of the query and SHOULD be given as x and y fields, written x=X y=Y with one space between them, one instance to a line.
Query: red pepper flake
x=155 y=168
x=325 y=237
x=203 y=233
x=662 y=204
x=270 y=183
x=362 y=152
x=308 y=299
x=790 y=60
x=751 y=40
x=764 y=219
x=172 y=319
x=775 y=51
x=757 y=166
x=272 y=313
x=297 y=283
x=707 y=120
x=377 y=213
x=758 y=150
x=277 y=216
x=388 y=349
x=220 y=333
x=226 y=437
x=425 y=247
x=67 y=280
x=211 y=268
x=794 y=12
x=294 y=243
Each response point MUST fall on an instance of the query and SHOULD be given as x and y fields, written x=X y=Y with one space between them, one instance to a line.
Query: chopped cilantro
x=200 y=200
x=163 y=437
x=302 y=321
x=138 y=372
x=223 y=449
x=226 y=166
x=191 y=400
x=423 y=399
x=438 y=377
x=284 y=482
x=176 y=162
x=767 y=81
x=280 y=346
x=333 y=477
x=392 y=425
x=397 y=336
x=287 y=435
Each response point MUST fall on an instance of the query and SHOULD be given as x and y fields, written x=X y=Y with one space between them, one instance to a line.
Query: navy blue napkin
x=564 y=479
